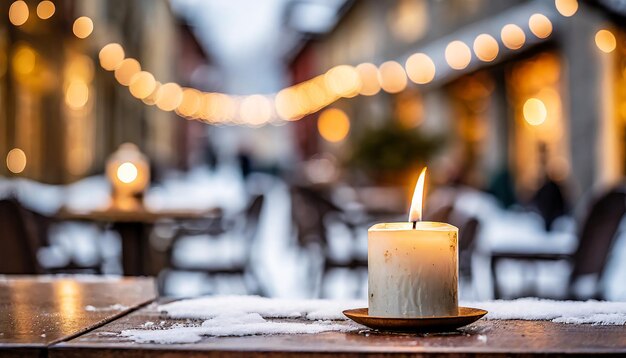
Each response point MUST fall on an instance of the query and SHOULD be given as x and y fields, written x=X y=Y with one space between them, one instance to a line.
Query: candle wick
x=414 y=224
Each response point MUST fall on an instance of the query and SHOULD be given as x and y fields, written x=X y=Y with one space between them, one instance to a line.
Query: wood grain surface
x=483 y=338
x=38 y=311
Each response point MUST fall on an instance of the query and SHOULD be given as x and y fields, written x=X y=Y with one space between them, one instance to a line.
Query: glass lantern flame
x=128 y=171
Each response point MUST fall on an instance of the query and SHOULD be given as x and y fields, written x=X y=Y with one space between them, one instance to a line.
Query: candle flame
x=415 y=214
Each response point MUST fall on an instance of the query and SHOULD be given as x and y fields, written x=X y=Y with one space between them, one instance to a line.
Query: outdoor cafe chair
x=243 y=225
x=595 y=240
x=19 y=242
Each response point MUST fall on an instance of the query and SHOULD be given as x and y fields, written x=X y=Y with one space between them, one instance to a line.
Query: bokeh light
x=343 y=81
x=190 y=104
x=420 y=68
x=142 y=84
x=513 y=36
x=207 y=110
x=83 y=27
x=45 y=9
x=605 y=40
x=540 y=25
x=16 y=160
x=458 y=55
x=566 y=8
x=169 y=96
x=77 y=94
x=127 y=172
x=392 y=77
x=486 y=47
x=80 y=67
x=24 y=60
x=18 y=13
x=368 y=72
x=111 y=56
x=255 y=110
x=151 y=99
x=317 y=94
x=535 y=111
x=286 y=104
x=225 y=107
x=126 y=70
x=333 y=124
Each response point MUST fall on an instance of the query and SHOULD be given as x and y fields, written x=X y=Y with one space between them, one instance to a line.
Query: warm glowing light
x=605 y=40
x=45 y=9
x=294 y=102
x=142 y=84
x=286 y=102
x=126 y=70
x=486 y=47
x=535 y=112
x=190 y=104
x=208 y=104
x=169 y=96
x=127 y=172
x=18 y=13
x=540 y=25
x=392 y=77
x=458 y=55
x=317 y=94
x=202 y=112
x=3 y=63
x=333 y=124
x=111 y=56
x=343 y=81
x=83 y=27
x=151 y=99
x=79 y=67
x=409 y=19
x=368 y=73
x=225 y=107
x=415 y=213
x=566 y=8
x=303 y=102
x=24 y=60
x=16 y=160
x=513 y=36
x=420 y=68
x=255 y=110
x=77 y=94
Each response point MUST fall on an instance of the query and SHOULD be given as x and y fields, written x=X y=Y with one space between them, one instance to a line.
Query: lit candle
x=413 y=266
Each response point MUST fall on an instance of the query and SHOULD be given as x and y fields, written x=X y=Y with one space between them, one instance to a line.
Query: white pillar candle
x=412 y=272
x=413 y=266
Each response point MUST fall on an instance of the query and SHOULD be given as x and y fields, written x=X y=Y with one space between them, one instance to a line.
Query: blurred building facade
x=62 y=115
x=548 y=101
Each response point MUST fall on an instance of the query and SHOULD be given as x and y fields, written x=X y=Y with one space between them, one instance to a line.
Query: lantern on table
x=128 y=172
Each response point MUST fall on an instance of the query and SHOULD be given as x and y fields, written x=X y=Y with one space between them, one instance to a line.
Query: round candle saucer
x=466 y=316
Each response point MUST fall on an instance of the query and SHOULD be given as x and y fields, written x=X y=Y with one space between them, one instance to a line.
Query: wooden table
x=483 y=338
x=52 y=317
x=134 y=229
x=36 y=312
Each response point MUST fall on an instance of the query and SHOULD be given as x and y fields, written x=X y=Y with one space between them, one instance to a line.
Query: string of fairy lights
x=297 y=101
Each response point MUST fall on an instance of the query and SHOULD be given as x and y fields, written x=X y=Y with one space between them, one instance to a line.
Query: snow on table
x=574 y=312
x=251 y=315
x=247 y=315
